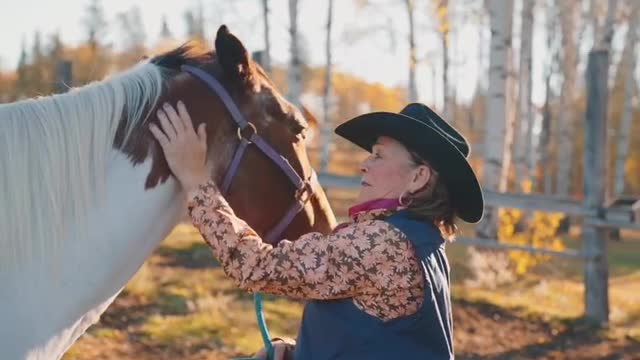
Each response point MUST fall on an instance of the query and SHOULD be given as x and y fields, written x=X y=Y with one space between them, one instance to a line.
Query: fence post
x=63 y=76
x=596 y=271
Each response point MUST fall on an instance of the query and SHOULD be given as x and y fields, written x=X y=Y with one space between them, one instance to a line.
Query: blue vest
x=337 y=329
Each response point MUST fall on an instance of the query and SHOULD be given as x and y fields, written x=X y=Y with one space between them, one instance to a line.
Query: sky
x=362 y=45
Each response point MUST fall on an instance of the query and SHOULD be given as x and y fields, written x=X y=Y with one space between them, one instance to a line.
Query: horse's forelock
x=189 y=53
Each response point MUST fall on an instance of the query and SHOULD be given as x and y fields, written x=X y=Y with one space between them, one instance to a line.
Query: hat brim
x=461 y=181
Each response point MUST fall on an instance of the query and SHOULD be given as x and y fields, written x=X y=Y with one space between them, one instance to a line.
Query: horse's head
x=75 y=223
x=260 y=193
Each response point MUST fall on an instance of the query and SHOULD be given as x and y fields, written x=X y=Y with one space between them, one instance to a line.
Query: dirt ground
x=482 y=331
x=180 y=305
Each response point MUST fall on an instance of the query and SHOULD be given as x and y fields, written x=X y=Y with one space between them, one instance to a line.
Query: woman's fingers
x=174 y=118
x=202 y=133
x=184 y=116
x=162 y=138
x=279 y=353
x=167 y=126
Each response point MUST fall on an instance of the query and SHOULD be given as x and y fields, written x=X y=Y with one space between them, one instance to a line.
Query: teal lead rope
x=262 y=324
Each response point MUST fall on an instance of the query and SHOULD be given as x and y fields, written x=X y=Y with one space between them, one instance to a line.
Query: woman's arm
x=357 y=260
x=352 y=261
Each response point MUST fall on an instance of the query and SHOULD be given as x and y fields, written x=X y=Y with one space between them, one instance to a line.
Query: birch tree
x=628 y=66
x=523 y=147
x=95 y=23
x=594 y=13
x=327 y=124
x=194 y=20
x=606 y=35
x=295 y=61
x=413 y=59
x=442 y=14
x=544 y=144
x=568 y=11
x=494 y=145
x=165 y=32
x=266 y=60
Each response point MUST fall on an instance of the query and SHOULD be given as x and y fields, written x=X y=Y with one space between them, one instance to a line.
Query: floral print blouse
x=366 y=259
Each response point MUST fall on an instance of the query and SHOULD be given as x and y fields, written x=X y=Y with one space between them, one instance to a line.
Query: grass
x=181 y=303
x=555 y=290
x=194 y=305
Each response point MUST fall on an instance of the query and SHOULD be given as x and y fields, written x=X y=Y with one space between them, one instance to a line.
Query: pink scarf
x=375 y=204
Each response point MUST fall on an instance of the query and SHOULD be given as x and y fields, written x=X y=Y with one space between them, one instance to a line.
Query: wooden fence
x=596 y=220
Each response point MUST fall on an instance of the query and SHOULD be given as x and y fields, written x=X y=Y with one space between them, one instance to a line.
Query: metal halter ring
x=249 y=125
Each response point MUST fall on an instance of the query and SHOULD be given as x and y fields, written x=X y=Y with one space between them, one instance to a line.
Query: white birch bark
x=295 y=61
x=607 y=31
x=266 y=61
x=543 y=154
x=594 y=10
x=413 y=88
x=442 y=14
x=523 y=147
x=568 y=17
x=327 y=124
x=500 y=17
x=629 y=62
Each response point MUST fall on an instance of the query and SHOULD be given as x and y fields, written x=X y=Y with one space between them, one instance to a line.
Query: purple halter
x=304 y=188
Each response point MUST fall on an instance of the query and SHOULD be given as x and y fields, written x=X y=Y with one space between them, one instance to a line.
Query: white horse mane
x=54 y=154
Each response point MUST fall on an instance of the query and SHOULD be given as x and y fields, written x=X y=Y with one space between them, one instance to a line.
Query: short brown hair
x=432 y=203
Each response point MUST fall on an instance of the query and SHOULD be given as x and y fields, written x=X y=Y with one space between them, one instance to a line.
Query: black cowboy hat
x=421 y=130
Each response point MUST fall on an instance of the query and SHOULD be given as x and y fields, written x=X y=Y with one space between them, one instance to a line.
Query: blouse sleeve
x=349 y=262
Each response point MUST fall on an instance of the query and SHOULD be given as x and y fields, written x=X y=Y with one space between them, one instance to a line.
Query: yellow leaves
x=442 y=14
x=527 y=186
x=537 y=229
x=444 y=28
x=632 y=165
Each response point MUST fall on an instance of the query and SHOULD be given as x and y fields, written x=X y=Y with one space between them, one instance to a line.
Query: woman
x=378 y=286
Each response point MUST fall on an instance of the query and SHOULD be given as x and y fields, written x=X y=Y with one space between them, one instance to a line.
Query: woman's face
x=389 y=171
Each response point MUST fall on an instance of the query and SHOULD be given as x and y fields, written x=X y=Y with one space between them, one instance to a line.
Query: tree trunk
x=523 y=146
x=544 y=143
x=607 y=32
x=442 y=13
x=413 y=89
x=446 y=96
x=266 y=60
x=327 y=124
x=500 y=15
x=295 y=64
x=628 y=65
x=594 y=11
x=543 y=153
x=568 y=12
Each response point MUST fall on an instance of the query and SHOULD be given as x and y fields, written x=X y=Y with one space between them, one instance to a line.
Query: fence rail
x=597 y=218
x=570 y=207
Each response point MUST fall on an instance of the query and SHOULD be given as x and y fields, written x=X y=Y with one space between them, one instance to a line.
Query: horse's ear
x=232 y=54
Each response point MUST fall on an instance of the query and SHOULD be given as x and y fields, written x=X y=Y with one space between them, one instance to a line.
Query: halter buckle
x=250 y=135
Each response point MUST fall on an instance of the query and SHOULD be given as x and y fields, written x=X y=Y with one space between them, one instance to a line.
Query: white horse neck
x=75 y=219
x=42 y=311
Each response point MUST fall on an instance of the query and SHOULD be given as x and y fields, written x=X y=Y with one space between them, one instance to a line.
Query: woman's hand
x=185 y=150
x=283 y=350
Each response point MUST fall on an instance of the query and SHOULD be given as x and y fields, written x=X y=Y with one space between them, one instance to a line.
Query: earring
x=401 y=199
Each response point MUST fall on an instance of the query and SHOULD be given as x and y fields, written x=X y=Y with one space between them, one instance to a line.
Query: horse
x=86 y=194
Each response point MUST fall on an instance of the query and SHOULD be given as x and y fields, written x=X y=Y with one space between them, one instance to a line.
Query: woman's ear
x=421 y=176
